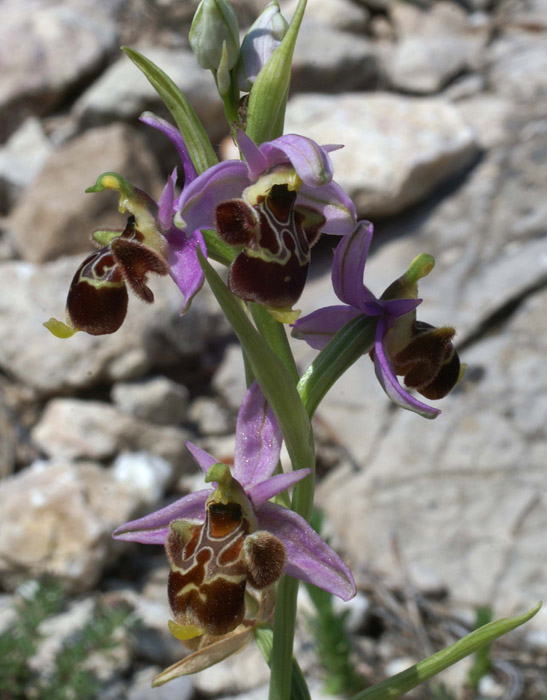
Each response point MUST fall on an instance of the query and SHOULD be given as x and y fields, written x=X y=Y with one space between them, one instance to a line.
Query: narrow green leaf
x=268 y=97
x=401 y=683
x=188 y=122
x=299 y=687
x=345 y=348
x=275 y=335
x=274 y=380
x=217 y=249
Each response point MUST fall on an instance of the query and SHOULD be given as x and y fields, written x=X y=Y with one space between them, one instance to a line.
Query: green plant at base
x=69 y=678
x=482 y=662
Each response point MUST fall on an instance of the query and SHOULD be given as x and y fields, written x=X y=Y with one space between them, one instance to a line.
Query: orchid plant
x=235 y=554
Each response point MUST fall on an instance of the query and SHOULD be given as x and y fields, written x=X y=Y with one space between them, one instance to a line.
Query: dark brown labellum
x=97 y=298
x=136 y=261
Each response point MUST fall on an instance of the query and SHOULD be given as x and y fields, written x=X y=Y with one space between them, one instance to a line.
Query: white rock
x=147 y=474
x=57 y=518
x=397 y=149
x=211 y=418
x=338 y=14
x=21 y=158
x=76 y=429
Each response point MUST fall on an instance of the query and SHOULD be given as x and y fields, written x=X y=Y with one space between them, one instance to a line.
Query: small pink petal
x=262 y=492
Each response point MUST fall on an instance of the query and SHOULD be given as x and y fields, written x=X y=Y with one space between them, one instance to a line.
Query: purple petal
x=388 y=379
x=178 y=142
x=256 y=160
x=199 y=200
x=348 y=267
x=204 y=459
x=153 y=528
x=258 y=439
x=399 y=307
x=184 y=265
x=319 y=327
x=309 y=558
x=262 y=492
x=166 y=201
x=311 y=162
x=335 y=205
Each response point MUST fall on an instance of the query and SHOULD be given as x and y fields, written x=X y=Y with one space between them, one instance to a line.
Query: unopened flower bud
x=215 y=30
x=259 y=43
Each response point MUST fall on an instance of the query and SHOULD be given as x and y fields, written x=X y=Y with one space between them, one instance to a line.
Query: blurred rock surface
x=152 y=336
x=397 y=149
x=56 y=217
x=64 y=44
x=57 y=519
x=157 y=399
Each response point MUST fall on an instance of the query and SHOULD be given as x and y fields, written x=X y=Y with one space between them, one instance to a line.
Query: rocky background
x=442 y=108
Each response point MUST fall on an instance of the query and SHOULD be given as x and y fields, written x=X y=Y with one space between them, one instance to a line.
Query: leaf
x=192 y=130
x=401 y=683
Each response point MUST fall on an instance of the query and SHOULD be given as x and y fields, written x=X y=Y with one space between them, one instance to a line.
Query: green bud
x=213 y=27
x=259 y=43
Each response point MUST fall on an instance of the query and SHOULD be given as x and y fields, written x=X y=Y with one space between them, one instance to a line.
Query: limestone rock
x=57 y=518
x=122 y=91
x=328 y=60
x=56 y=217
x=518 y=65
x=158 y=400
x=463 y=494
x=338 y=14
x=152 y=336
x=397 y=149
x=47 y=48
x=434 y=46
x=76 y=429
x=21 y=159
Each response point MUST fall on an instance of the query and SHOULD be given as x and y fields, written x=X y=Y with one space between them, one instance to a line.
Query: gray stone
x=122 y=92
x=434 y=46
x=55 y=216
x=327 y=60
x=47 y=48
x=57 y=518
x=344 y=15
x=210 y=417
x=76 y=429
x=151 y=336
x=148 y=474
x=21 y=158
x=157 y=399
x=518 y=65
x=463 y=495
x=397 y=149
x=229 y=379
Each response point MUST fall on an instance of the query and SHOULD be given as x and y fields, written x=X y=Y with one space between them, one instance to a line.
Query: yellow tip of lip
x=59 y=329
x=183 y=632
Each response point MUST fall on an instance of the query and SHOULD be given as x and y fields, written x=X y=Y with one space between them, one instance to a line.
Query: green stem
x=299 y=688
x=345 y=348
x=274 y=334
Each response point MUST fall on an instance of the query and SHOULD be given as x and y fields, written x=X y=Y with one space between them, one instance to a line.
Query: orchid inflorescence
x=229 y=545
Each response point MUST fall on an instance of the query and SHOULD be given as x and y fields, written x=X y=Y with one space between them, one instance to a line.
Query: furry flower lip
x=221 y=540
x=423 y=354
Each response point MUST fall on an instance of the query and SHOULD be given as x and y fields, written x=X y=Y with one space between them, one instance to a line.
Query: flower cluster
x=228 y=545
